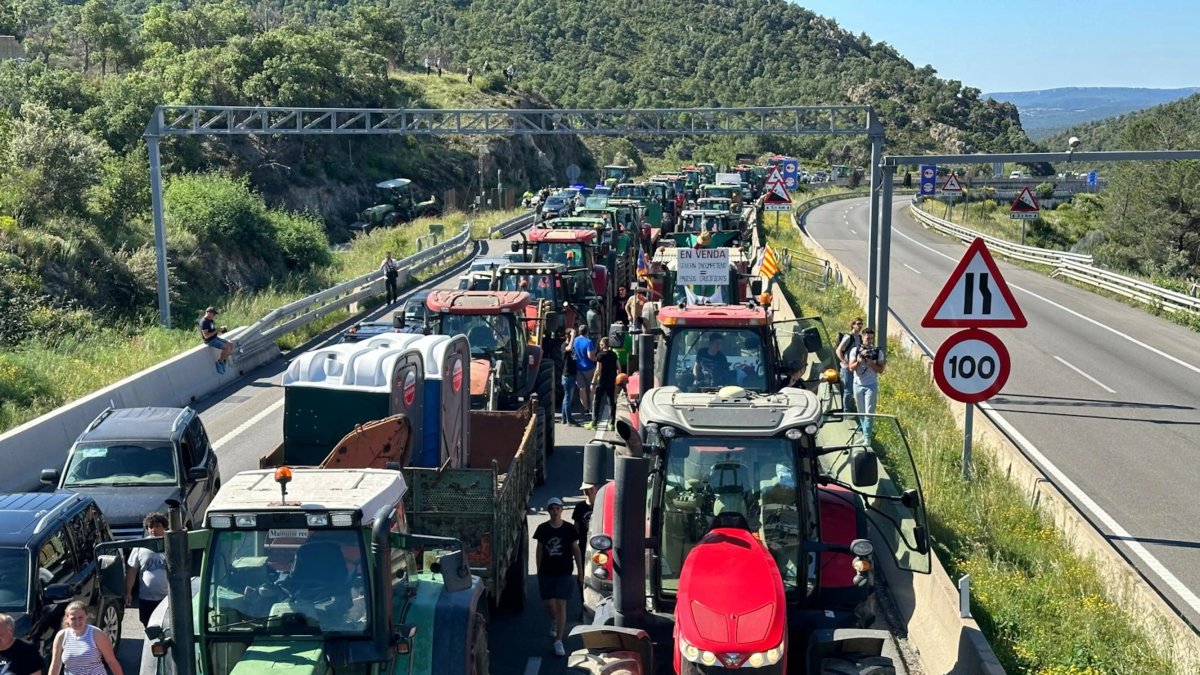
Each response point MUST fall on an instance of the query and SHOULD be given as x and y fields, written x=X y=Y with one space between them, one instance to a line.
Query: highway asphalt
x=1106 y=392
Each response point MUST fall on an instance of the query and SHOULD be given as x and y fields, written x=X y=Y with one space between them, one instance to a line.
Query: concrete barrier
x=43 y=443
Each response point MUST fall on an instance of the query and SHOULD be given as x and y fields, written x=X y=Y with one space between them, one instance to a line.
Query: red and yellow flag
x=769 y=266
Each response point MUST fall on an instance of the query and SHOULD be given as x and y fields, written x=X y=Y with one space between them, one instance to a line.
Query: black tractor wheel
x=850 y=664
x=544 y=388
x=512 y=598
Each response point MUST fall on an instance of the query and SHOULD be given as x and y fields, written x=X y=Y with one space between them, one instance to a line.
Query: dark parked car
x=132 y=460
x=47 y=560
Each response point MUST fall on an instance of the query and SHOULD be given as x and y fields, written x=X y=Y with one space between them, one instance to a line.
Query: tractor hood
x=730 y=597
x=281 y=657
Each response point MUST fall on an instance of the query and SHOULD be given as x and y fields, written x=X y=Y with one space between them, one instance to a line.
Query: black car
x=556 y=206
x=132 y=460
x=47 y=560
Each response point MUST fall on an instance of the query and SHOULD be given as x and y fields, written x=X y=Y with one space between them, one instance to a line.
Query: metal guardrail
x=811 y=268
x=1075 y=266
x=1136 y=289
x=299 y=313
x=1033 y=254
x=510 y=227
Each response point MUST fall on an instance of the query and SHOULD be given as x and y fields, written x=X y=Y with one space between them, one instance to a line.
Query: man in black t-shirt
x=17 y=657
x=605 y=383
x=712 y=366
x=582 y=514
x=557 y=552
x=210 y=332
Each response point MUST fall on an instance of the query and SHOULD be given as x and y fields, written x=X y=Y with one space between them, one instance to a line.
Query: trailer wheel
x=544 y=387
x=480 y=660
x=512 y=598
x=851 y=664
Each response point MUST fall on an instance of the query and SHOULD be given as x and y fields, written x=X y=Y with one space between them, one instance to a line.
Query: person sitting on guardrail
x=209 y=332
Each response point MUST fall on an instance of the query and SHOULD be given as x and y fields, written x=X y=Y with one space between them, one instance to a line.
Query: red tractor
x=736 y=537
x=587 y=278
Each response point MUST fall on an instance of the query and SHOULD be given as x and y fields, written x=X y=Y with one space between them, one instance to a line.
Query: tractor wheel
x=851 y=664
x=480 y=659
x=512 y=598
x=543 y=386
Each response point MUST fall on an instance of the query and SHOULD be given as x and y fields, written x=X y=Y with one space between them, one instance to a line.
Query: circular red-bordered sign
x=971 y=366
x=410 y=388
x=456 y=376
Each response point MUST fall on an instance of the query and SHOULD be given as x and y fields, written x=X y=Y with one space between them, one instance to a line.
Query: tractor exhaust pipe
x=645 y=350
x=629 y=542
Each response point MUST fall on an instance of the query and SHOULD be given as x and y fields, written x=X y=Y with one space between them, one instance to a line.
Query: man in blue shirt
x=585 y=360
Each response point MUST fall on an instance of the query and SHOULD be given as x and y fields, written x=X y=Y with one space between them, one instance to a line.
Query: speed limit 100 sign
x=971 y=366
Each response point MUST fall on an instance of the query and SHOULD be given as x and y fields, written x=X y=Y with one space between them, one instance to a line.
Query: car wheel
x=110 y=621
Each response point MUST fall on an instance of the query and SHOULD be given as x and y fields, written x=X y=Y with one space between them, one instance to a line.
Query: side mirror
x=812 y=339
x=910 y=499
x=864 y=468
x=402 y=637
x=756 y=286
x=112 y=576
x=49 y=476
x=197 y=473
x=515 y=247
x=456 y=576
x=57 y=593
x=398 y=319
x=554 y=323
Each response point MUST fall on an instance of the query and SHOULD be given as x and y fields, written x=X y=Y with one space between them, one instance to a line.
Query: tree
x=51 y=165
x=106 y=29
x=377 y=29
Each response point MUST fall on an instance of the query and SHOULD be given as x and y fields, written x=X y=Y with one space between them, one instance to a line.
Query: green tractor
x=398 y=205
x=617 y=173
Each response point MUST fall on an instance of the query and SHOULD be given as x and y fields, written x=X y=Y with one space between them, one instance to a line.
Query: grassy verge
x=1042 y=608
x=38 y=377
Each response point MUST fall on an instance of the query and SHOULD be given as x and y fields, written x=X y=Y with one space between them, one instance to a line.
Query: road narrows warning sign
x=975 y=296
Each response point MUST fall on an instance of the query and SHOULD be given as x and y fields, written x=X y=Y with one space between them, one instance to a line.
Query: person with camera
x=209 y=332
x=867 y=363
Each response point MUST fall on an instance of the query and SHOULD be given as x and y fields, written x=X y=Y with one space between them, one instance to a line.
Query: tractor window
x=569 y=254
x=710 y=358
x=287 y=581
x=540 y=286
x=706 y=477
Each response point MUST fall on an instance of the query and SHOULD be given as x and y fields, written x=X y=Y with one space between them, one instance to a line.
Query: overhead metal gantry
x=175 y=120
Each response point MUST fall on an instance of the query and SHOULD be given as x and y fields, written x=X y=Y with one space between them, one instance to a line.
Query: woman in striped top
x=80 y=648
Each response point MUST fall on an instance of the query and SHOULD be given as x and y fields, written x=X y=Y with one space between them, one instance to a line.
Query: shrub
x=221 y=211
x=301 y=238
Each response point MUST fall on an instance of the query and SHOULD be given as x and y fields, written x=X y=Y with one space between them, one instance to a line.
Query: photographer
x=867 y=363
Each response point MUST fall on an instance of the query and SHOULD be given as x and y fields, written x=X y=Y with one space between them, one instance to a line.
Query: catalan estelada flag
x=768 y=266
x=643 y=265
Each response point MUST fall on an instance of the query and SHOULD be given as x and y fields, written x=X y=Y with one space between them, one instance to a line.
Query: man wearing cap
x=558 y=549
x=209 y=332
x=582 y=514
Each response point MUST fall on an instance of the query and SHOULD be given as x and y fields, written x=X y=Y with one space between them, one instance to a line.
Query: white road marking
x=911 y=268
x=533 y=665
x=1068 y=310
x=853 y=231
x=1096 y=382
x=1087 y=502
x=247 y=424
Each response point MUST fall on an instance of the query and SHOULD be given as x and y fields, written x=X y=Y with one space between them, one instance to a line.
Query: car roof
x=27 y=514
x=123 y=424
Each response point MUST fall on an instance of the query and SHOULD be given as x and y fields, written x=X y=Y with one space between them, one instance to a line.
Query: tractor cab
x=722 y=191
x=552 y=308
x=664 y=270
x=617 y=173
x=499 y=339
x=759 y=508
x=722 y=226
x=706 y=347
x=397 y=203
x=586 y=278
x=692 y=177
x=648 y=196
x=708 y=170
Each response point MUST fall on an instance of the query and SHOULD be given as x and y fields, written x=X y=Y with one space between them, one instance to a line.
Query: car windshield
x=709 y=358
x=540 y=286
x=287 y=581
x=129 y=463
x=569 y=254
x=706 y=477
x=556 y=202
x=14 y=579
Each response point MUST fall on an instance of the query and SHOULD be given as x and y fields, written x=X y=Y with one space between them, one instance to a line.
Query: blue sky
x=1020 y=45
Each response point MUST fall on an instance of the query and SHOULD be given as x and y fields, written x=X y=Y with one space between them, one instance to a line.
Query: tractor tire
x=851 y=664
x=512 y=598
x=480 y=660
x=543 y=386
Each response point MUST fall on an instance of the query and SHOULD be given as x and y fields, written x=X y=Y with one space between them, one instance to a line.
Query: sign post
x=1024 y=207
x=972 y=365
x=928 y=180
x=777 y=197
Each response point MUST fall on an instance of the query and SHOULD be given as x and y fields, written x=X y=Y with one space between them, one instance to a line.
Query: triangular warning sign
x=776 y=176
x=975 y=296
x=777 y=194
x=1025 y=202
x=952 y=184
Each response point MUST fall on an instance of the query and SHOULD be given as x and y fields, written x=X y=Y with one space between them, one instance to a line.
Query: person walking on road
x=557 y=552
x=391 y=271
x=867 y=362
x=210 y=332
x=846 y=345
x=605 y=381
x=17 y=657
x=581 y=515
x=147 y=570
x=569 y=383
x=585 y=365
x=80 y=648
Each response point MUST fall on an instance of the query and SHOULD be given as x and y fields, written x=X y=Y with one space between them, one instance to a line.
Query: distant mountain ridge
x=1048 y=110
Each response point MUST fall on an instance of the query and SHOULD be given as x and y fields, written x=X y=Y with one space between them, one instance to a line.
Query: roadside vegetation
x=46 y=371
x=1042 y=608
